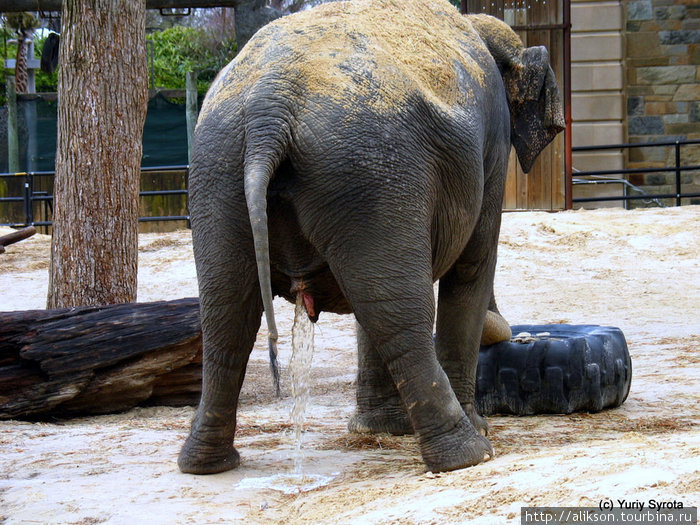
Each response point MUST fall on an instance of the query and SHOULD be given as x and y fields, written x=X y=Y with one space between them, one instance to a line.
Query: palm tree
x=24 y=25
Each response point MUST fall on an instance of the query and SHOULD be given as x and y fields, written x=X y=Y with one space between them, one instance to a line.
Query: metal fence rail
x=29 y=196
x=677 y=169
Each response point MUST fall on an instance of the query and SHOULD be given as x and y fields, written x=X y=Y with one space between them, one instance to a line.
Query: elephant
x=351 y=156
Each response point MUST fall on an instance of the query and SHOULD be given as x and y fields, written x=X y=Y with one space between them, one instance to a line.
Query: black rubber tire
x=571 y=368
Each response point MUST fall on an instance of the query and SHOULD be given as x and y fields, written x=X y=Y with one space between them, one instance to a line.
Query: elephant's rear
x=331 y=90
x=361 y=117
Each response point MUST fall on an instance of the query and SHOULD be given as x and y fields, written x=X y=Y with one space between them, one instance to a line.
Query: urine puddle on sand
x=287 y=483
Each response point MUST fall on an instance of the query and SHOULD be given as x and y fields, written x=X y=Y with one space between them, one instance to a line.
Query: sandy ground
x=638 y=270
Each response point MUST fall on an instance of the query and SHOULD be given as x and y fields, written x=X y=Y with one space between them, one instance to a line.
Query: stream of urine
x=300 y=368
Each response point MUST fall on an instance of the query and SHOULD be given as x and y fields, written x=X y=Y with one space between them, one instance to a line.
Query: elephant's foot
x=460 y=447
x=200 y=457
x=390 y=419
x=479 y=422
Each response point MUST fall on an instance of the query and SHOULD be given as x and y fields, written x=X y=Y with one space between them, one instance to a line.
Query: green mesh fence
x=164 y=135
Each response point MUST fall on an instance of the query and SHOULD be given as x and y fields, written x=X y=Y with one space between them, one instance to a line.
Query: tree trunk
x=103 y=93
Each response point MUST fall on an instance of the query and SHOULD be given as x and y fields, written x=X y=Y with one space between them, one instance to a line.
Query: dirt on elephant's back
x=374 y=50
x=637 y=270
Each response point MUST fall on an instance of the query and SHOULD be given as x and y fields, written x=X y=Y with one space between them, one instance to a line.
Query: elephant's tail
x=259 y=169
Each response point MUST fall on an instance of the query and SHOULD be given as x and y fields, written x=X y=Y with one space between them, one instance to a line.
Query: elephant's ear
x=535 y=105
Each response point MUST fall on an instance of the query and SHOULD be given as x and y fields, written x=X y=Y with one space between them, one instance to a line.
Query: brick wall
x=663 y=87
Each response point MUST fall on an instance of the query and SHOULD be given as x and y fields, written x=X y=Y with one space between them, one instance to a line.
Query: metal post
x=187 y=186
x=678 y=173
x=190 y=109
x=151 y=66
x=31 y=72
x=568 y=156
x=30 y=119
x=28 y=204
x=12 y=127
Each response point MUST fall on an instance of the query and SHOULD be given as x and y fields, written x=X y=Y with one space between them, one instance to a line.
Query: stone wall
x=663 y=89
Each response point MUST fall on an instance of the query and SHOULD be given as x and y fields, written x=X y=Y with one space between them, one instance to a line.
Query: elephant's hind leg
x=231 y=311
x=379 y=405
x=209 y=448
x=465 y=293
x=389 y=285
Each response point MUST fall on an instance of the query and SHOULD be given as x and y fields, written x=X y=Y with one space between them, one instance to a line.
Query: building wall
x=597 y=89
x=663 y=87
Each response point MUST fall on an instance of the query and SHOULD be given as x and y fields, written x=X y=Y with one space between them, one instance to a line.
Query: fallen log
x=97 y=360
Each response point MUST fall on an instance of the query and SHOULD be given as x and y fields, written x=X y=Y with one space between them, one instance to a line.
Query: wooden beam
x=13 y=6
x=16 y=236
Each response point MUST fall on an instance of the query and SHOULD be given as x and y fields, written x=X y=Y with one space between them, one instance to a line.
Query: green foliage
x=180 y=49
x=456 y=3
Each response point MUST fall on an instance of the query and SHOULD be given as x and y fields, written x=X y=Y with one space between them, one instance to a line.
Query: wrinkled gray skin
x=362 y=213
